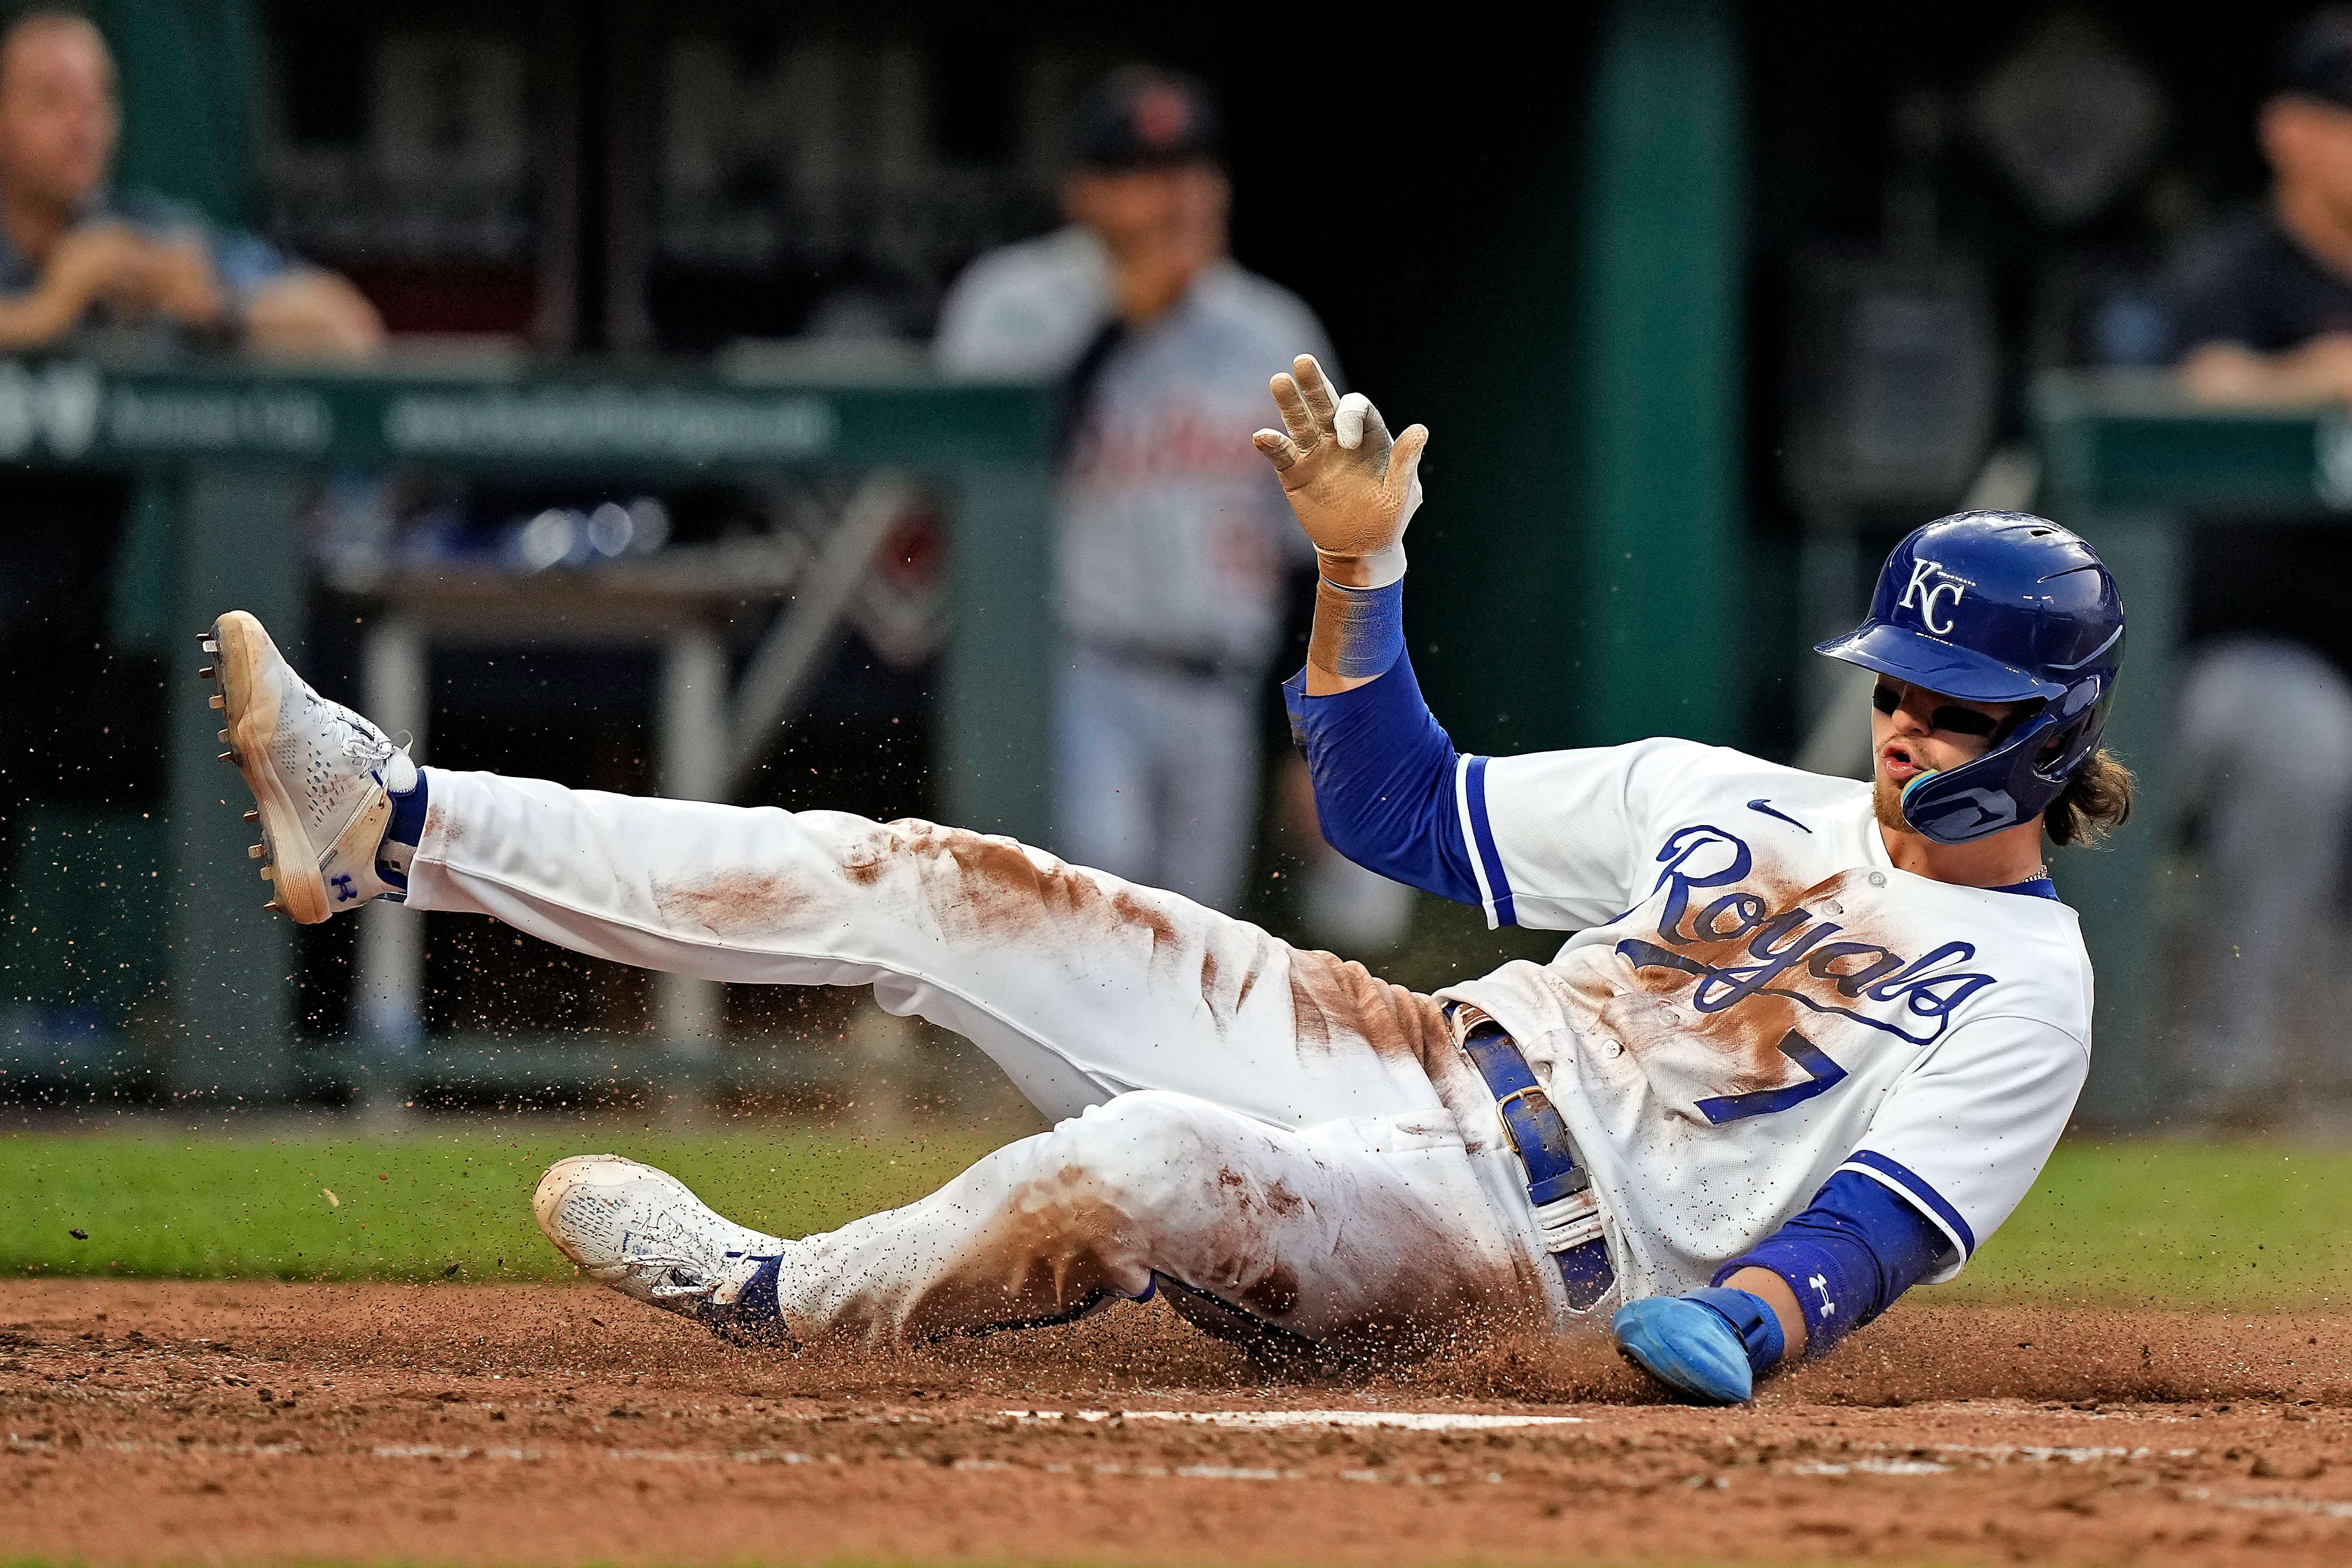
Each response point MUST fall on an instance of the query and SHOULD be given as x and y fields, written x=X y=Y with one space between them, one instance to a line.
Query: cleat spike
x=217 y=700
x=253 y=816
x=205 y=673
x=208 y=644
x=228 y=756
x=269 y=873
x=255 y=851
x=271 y=905
x=224 y=737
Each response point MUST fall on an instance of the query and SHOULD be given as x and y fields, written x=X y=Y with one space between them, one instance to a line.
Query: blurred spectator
x=2263 y=313
x=2263 y=305
x=2263 y=754
x=75 y=255
x=1174 y=543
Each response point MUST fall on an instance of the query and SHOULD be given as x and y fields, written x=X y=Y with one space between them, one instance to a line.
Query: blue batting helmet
x=1997 y=606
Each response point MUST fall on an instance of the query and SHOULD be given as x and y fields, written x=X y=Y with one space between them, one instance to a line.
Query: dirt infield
x=182 y=1423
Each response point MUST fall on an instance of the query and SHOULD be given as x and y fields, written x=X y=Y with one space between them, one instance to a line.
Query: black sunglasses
x=1951 y=718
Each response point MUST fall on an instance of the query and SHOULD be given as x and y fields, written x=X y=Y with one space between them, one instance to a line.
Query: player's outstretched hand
x=1687 y=1346
x=1353 y=487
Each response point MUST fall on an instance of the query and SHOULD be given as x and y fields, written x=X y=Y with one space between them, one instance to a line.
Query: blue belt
x=1540 y=1138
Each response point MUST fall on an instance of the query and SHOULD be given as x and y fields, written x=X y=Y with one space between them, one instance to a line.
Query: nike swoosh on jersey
x=1764 y=804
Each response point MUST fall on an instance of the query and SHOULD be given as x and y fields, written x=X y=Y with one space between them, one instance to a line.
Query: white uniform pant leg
x=1079 y=986
x=1273 y=1123
x=1375 y=1231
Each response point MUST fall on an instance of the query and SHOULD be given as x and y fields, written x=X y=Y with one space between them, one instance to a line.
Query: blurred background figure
x=1175 y=551
x=2263 y=754
x=77 y=258
x=2261 y=312
x=2263 y=306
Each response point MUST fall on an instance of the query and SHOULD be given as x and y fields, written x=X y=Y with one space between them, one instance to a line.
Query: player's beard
x=1886 y=802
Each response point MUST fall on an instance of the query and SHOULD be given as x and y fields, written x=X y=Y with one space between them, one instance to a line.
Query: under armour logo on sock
x=343 y=884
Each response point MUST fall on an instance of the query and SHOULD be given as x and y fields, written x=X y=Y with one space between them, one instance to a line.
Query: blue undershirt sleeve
x=1847 y=1257
x=1383 y=771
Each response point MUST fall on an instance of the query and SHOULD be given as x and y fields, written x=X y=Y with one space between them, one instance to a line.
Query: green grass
x=406 y=1206
x=2246 y=1225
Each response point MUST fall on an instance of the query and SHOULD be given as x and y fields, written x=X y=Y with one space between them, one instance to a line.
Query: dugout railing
x=222 y=460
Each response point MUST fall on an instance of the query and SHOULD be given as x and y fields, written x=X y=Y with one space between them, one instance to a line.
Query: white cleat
x=317 y=771
x=644 y=1234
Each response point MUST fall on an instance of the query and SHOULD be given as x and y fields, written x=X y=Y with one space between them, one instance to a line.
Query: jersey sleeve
x=1025 y=311
x=1845 y=1260
x=1384 y=775
x=1555 y=837
x=1964 y=1133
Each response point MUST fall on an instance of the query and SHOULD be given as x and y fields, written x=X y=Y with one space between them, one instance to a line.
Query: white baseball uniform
x=1302 y=1149
x=1756 y=998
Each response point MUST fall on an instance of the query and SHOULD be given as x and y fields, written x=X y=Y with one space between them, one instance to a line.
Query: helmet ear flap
x=2015 y=781
x=2084 y=703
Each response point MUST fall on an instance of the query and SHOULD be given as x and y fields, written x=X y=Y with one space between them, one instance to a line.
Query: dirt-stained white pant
x=1292 y=1146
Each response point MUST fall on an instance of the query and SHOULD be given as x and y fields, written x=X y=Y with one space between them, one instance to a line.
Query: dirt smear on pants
x=181 y=1423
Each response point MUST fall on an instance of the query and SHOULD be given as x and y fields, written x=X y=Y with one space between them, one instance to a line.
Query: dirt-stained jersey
x=1756 y=998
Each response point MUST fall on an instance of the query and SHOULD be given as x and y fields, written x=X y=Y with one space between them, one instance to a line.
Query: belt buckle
x=1510 y=1134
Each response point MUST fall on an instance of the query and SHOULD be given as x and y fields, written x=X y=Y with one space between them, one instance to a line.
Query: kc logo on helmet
x=1929 y=582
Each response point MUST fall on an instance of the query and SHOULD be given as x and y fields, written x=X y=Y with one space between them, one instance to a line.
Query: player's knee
x=1128 y=1161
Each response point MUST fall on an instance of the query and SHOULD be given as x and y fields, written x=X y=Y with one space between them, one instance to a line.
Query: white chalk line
x=1398 y=1420
x=1872 y=1468
x=780 y=1457
x=148 y=1445
x=2272 y=1503
x=1986 y=1455
x=1230 y=1473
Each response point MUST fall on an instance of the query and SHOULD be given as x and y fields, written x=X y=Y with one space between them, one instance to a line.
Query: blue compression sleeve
x=1847 y=1258
x=1369 y=636
x=1383 y=773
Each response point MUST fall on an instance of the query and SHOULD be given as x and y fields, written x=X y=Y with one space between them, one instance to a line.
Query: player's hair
x=2096 y=801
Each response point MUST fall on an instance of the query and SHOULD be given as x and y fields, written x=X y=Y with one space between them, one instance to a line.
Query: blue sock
x=402 y=834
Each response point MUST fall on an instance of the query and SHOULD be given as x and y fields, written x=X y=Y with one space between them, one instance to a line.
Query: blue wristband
x=1752 y=1318
x=1371 y=630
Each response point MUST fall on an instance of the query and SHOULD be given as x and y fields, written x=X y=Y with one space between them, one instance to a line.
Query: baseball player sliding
x=1810 y=1042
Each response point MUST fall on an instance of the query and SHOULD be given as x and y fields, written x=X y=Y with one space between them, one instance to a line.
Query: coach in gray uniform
x=1173 y=539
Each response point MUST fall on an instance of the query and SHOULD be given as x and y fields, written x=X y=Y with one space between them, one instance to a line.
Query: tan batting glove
x=1353 y=489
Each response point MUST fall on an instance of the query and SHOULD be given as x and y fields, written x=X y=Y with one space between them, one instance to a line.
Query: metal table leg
x=693 y=729
x=390 y=1001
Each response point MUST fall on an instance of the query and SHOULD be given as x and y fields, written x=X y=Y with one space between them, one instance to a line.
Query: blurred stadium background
x=653 y=488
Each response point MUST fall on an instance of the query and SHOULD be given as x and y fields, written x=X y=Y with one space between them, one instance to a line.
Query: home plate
x=1399 y=1420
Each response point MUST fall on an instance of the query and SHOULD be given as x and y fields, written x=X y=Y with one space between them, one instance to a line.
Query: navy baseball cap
x=2316 y=61
x=1140 y=117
